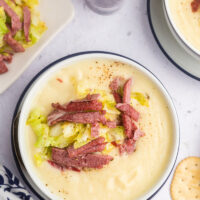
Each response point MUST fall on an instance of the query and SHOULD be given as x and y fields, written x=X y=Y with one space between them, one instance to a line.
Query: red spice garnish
x=195 y=5
x=60 y=80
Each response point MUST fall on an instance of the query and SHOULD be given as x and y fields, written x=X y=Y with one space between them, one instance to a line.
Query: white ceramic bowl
x=176 y=32
x=25 y=101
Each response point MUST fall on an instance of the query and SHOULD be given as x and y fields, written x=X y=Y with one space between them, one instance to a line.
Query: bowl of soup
x=183 y=17
x=92 y=126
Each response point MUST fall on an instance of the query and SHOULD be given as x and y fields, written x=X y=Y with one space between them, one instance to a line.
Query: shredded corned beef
x=89 y=111
x=128 y=114
x=27 y=22
x=128 y=110
x=15 y=20
x=96 y=145
x=127 y=91
x=97 y=161
x=83 y=117
x=95 y=130
x=127 y=123
x=195 y=5
x=3 y=67
x=138 y=134
x=86 y=111
x=134 y=127
x=117 y=97
x=54 y=116
x=16 y=46
x=115 y=87
x=116 y=83
x=127 y=147
x=90 y=105
x=7 y=58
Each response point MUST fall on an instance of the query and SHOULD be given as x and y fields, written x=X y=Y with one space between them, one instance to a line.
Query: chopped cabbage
x=29 y=3
x=46 y=137
x=36 y=31
x=56 y=130
x=140 y=98
x=61 y=141
x=111 y=111
x=105 y=96
x=38 y=123
x=38 y=159
x=84 y=135
x=109 y=147
x=41 y=155
x=103 y=131
x=68 y=129
x=116 y=134
x=18 y=9
x=3 y=27
x=80 y=87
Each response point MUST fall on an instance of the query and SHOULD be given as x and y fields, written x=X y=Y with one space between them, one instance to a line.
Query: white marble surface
x=126 y=32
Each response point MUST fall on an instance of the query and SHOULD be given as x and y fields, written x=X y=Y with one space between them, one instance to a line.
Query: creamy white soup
x=186 y=21
x=127 y=177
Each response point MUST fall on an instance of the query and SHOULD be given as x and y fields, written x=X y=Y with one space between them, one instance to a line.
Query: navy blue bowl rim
x=162 y=48
x=40 y=73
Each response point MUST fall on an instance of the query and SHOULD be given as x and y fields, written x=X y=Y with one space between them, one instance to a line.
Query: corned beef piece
x=15 y=20
x=27 y=22
x=116 y=83
x=54 y=116
x=80 y=106
x=127 y=91
x=195 y=5
x=53 y=164
x=138 y=134
x=134 y=127
x=96 y=161
x=127 y=123
x=111 y=124
x=127 y=147
x=3 y=67
x=7 y=58
x=117 y=97
x=61 y=158
x=84 y=118
x=128 y=110
x=16 y=46
x=96 y=145
x=114 y=87
x=95 y=129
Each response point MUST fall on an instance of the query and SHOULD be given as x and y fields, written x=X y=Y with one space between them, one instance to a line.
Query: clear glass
x=104 y=7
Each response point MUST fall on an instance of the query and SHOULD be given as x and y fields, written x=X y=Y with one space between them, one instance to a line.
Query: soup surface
x=127 y=177
x=187 y=22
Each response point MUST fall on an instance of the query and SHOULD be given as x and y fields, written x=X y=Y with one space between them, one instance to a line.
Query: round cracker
x=186 y=181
